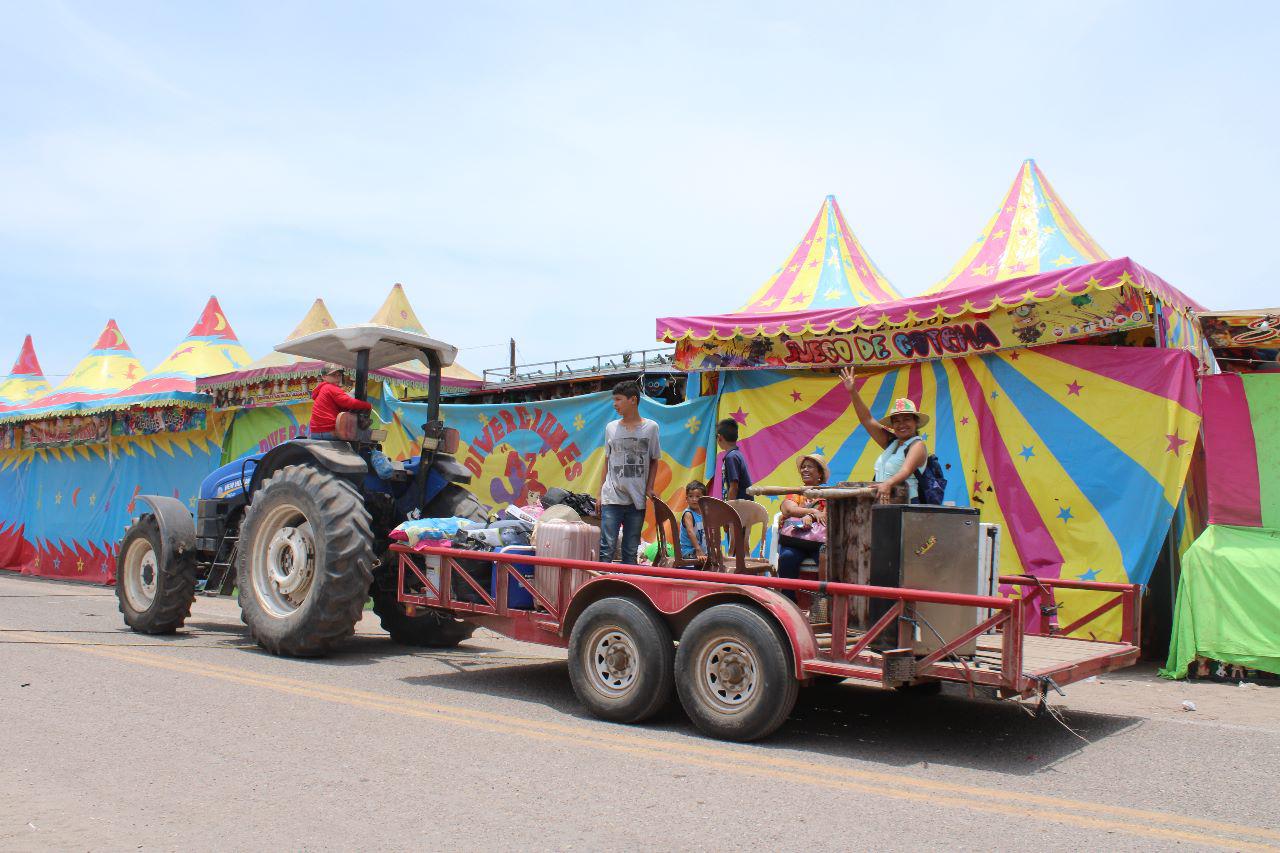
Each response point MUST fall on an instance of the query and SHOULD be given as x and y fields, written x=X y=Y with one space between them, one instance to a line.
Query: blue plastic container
x=517 y=596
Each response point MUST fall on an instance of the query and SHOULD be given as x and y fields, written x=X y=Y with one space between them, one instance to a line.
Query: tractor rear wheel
x=305 y=561
x=425 y=627
x=155 y=596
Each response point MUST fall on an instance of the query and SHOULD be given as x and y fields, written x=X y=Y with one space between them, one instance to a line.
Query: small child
x=693 y=542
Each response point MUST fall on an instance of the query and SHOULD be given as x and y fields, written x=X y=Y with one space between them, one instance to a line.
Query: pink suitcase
x=574 y=540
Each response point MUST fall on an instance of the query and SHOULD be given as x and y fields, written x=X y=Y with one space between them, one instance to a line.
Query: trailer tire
x=155 y=595
x=305 y=561
x=734 y=673
x=621 y=660
x=427 y=627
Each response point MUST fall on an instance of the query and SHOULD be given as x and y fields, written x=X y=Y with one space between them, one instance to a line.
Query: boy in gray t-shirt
x=630 y=463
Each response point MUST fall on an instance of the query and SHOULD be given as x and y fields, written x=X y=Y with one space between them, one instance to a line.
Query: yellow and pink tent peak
x=317 y=319
x=1031 y=232
x=25 y=381
x=828 y=268
x=107 y=369
x=397 y=312
x=210 y=348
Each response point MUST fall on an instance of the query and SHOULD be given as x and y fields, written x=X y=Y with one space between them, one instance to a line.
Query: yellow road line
x=1153 y=824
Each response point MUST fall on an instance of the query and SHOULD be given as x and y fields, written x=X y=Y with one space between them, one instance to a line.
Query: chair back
x=753 y=515
x=668 y=533
x=721 y=521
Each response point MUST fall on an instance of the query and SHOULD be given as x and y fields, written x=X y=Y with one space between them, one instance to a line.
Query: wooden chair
x=721 y=521
x=753 y=515
x=669 y=533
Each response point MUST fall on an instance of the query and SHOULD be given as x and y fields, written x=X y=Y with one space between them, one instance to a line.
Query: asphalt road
x=112 y=740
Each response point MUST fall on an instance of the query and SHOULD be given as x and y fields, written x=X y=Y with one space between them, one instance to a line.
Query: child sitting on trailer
x=693 y=540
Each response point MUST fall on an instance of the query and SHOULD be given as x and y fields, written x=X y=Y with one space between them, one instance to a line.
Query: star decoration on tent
x=795 y=396
x=691 y=425
x=1065 y=513
x=821 y=451
x=1175 y=443
x=740 y=416
x=1074 y=389
x=579 y=421
x=1027 y=451
x=1090 y=575
x=964 y=421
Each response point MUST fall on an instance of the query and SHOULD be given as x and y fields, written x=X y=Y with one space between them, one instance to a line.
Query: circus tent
x=107 y=369
x=1079 y=453
x=25 y=381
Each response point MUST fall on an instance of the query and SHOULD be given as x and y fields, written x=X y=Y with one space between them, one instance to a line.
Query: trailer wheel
x=621 y=660
x=305 y=560
x=155 y=596
x=734 y=673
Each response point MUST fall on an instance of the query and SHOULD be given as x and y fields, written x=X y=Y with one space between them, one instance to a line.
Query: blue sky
x=563 y=174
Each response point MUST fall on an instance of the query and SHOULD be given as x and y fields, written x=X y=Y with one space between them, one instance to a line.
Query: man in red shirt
x=329 y=399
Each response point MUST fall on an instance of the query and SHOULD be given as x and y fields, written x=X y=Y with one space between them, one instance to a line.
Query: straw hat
x=904 y=406
x=819 y=461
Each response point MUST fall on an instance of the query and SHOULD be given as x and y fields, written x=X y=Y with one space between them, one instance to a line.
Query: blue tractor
x=302 y=531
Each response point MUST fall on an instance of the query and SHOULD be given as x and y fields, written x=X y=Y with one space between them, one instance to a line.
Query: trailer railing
x=850 y=653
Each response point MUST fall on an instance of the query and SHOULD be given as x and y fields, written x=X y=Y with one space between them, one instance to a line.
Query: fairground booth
x=1061 y=383
x=76 y=457
x=1227 y=622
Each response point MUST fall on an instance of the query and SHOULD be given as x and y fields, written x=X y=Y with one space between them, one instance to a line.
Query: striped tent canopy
x=106 y=370
x=1031 y=232
x=25 y=381
x=210 y=347
x=828 y=268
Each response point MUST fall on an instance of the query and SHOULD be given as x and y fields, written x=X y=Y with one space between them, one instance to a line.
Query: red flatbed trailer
x=744 y=647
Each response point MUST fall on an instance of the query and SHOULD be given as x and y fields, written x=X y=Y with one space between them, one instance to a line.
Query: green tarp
x=1263 y=393
x=1228 y=601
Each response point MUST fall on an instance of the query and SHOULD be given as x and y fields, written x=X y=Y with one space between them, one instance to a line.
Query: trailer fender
x=679 y=601
x=177 y=528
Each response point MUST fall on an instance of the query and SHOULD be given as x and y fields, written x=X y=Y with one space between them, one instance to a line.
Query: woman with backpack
x=898 y=432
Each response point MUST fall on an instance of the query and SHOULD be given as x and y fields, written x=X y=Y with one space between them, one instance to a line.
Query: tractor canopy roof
x=387 y=345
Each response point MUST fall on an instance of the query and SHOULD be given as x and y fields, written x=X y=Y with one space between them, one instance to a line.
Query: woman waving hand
x=898 y=432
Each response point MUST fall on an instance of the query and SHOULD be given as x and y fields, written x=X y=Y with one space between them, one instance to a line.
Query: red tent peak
x=27 y=365
x=112 y=338
x=212 y=323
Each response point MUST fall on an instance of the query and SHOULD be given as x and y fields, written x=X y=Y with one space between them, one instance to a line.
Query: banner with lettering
x=1063 y=318
x=516 y=451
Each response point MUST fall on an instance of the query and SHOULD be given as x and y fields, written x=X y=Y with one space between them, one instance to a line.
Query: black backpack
x=931 y=483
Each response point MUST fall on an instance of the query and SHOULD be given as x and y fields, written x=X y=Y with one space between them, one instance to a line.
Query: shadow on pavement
x=847 y=720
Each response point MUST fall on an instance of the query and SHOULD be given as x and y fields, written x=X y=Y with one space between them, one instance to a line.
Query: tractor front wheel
x=305 y=561
x=155 y=595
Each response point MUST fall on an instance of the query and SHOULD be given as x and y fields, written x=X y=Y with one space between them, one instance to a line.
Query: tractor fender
x=335 y=456
x=451 y=469
x=678 y=601
x=177 y=528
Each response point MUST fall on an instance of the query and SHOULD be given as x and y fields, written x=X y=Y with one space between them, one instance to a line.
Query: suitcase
x=572 y=540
